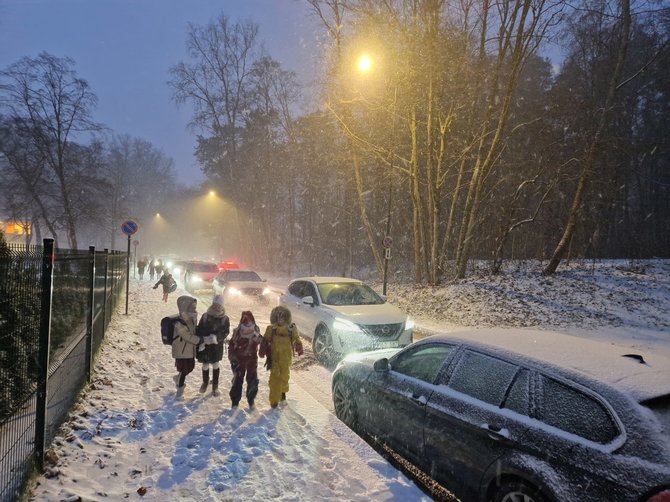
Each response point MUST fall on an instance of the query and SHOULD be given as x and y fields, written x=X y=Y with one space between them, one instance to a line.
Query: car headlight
x=340 y=324
x=409 y=323
x=196 y=278
x=266 y=291
x=233 y=291
x=176 y=270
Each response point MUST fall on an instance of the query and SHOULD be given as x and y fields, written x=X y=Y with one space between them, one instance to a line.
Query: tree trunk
x=589 y=162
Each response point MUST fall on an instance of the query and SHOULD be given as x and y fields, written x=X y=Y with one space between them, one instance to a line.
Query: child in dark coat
x=214 y=327
x=169 y=285
x=243 y=357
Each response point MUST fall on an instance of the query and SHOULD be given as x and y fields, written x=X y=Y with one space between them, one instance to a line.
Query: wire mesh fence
x=55 y=306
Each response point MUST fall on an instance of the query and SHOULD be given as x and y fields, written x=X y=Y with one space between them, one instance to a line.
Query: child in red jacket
x=243 y=357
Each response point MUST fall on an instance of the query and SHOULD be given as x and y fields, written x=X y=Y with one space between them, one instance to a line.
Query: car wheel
x=322 y=345
x=518 y=491
x=343 y=401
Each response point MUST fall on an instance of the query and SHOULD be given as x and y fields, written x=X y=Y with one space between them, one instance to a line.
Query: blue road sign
x=129 y=227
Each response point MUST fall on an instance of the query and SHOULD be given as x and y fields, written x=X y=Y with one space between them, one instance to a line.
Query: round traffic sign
x=387 y=242
x=129 y=227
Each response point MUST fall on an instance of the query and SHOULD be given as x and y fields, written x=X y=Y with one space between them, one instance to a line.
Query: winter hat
x=217 y=300
x=247 y=317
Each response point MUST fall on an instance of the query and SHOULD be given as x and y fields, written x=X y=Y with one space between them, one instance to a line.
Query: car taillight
x=663 y=496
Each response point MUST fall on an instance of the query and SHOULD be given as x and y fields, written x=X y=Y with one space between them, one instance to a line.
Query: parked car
x=344 y=315
x=199 y=275
x=241 y=284
x=499 y=415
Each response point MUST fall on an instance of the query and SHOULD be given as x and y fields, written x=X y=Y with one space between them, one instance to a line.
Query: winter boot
x=283 y=396
x=205 y=381
x=215 y=382
x=176 y=380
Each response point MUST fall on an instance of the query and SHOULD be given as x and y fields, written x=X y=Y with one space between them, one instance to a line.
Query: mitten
x=155 y=287
x=298 y=348
x=263 y=350
x=268 y=363
x=201 y=347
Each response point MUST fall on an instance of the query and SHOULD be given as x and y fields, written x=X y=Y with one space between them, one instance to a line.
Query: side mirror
x=308 y=300
x=381 y=365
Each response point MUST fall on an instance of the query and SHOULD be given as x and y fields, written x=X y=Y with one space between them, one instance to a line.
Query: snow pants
x=279 y=377
x=248 y=367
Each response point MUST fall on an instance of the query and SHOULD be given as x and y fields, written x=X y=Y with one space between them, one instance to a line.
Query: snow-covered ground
x=130 y=438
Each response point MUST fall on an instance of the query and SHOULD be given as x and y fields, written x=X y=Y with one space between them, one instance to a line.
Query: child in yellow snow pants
x=281 y=338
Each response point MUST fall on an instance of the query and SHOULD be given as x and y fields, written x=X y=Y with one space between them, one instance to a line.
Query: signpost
x=128 y=227
x=387 y=242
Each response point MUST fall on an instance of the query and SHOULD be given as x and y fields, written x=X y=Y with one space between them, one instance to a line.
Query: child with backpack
x=185 y=340
x=243 y=357
x=281 y=338
x=169 y=285
x=214 y=327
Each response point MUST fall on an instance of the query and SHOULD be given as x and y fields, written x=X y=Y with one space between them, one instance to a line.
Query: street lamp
x=365 y=65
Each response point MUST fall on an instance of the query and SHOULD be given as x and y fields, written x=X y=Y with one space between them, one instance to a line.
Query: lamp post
x=365 y=65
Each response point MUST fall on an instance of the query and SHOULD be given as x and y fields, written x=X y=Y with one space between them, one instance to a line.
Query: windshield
x=348 y=294
x=242 y=276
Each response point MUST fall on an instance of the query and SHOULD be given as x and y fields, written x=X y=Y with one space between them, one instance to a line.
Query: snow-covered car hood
x=370 y=314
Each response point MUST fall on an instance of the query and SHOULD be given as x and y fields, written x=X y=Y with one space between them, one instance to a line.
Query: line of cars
x=493 y=415
x=224 y=278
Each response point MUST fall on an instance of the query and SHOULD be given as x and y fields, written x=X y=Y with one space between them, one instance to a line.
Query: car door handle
x=419 y=399
x=496 y=433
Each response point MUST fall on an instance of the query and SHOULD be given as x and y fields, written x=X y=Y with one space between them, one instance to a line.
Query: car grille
x=383 y=331
x=251 y=291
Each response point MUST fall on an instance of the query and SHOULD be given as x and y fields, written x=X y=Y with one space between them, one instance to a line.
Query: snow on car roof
x=319 y=280
x=600 y=360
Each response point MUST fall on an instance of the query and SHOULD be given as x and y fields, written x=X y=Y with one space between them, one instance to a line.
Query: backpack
x=167 y=328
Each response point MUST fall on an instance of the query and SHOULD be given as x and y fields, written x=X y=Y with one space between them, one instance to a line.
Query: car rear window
x=573 y=411
x=205 y=267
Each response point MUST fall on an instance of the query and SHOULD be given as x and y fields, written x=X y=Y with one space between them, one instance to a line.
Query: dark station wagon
x=514 y=415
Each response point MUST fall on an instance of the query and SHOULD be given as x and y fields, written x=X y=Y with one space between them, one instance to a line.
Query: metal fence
x=55 y=306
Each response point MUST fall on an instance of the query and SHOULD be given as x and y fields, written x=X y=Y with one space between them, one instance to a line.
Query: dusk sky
x=124 y=49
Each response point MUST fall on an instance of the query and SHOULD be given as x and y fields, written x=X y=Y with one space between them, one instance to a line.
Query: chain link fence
x=55 y=306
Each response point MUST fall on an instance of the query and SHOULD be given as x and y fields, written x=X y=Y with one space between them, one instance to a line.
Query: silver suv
x=344 y=315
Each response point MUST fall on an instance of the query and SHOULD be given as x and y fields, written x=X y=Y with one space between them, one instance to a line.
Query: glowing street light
x=365 y=63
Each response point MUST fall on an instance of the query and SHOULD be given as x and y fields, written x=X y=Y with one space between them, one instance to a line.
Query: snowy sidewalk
x=129 y=438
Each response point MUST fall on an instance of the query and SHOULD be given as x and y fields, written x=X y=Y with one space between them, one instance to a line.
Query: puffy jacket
x=213 y=323
x=185 y=339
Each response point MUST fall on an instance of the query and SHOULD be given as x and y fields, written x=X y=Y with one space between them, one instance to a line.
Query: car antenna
x=637 y=357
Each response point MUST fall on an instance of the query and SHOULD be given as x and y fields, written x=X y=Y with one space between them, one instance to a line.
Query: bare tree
x=55 y=104
x=215 y=81
x=622 y=28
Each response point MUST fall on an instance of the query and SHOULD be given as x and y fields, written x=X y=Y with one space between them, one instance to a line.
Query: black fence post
x=105 y=298
x=48 y=257
x=89 y=320
x=127 y=273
